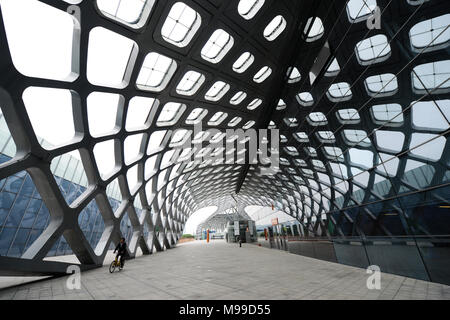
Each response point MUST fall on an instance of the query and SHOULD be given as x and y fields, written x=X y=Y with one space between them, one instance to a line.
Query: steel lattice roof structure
x=362 y=109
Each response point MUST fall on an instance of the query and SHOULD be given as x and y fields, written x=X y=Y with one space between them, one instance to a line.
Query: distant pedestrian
x=238 y=240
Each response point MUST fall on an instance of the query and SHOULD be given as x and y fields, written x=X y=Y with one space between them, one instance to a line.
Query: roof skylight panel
x=133 y=13
x=334 y=153
x=301 y=136
x=318 y=165
x=294 y=75
x=217 y=118
x=275 y=28
x=361 y=158
x=166 y=161
x=389 y=141
x=200 y=137
x=170 y=113
x=190 y=83
x=243 y=62
x=140 y=113
x=281 y=105
x=315 y=27
x=431 y=115
x=249 y=8
x=189 y=167
x=155 y=143
x=41 y=39
x=185 y=155
x=234 y=121
x=433 y=33
x=333 y=69
x=102 y=151
x=433 y=76
x=427 y=146
x=291 y=122
x=284 y=161
x=359 y=10
x=326 y=136
x=311 y=151
x=111 y=58
x=196 y=115
x=308 y=172
x=238 y=98
x=254 y=104
x=43 y=106
x=156 y=72
x=317 y=119
x=180 y=25
x=132 y=179
x=102 y=108
x=356 y=137
x=219 y=136
x=389 y=166
x=373 y=50
x=291 y=150
x=177 y=137
x=339 y=92
x=131 y=148
x=262 y=74
x=416 y=2
x=305 y=99
x=217 y=91
x=248 y=124
x=339 y=170
x=217 y=46
x=387 y=114
x=381 y=85
x=149 y=167
x=348 y=116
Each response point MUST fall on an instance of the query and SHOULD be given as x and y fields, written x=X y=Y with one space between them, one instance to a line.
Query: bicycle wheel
x=112 y=266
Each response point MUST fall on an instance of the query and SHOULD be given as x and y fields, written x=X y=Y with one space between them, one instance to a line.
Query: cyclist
x=121 y=249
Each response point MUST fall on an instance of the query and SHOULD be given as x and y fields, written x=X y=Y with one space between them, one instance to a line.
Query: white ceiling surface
x=198 y=217
x=264 y=215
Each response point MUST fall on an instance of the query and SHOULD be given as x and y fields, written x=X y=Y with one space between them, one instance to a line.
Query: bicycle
x=115 y=264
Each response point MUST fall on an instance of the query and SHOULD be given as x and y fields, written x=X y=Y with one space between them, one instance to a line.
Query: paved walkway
x=197 y=270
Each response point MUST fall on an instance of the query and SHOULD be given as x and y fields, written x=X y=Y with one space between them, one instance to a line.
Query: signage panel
x=236 y=228
x=250 y=226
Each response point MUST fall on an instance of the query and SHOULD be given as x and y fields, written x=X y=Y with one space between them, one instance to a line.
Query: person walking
x=238 y=240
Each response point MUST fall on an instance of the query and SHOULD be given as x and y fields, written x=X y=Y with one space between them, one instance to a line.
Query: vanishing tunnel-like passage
x=123 y=118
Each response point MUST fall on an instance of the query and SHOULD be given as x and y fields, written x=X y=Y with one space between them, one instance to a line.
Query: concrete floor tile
x=217 y=270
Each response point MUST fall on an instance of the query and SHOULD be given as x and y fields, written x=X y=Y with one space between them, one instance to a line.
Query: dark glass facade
x=24 y=216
